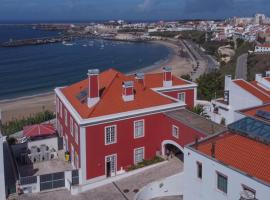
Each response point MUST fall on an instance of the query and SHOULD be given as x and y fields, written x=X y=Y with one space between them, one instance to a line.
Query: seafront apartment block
x=111 y=121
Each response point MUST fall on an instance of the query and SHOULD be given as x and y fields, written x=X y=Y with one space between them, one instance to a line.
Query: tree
x=186 y=77
x=210 y=86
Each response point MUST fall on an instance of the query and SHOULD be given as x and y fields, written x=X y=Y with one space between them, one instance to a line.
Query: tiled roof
x=111 y=102
x=234 y=150
x=255 y=83
x=264 y=45
x=264 y=97
x=156 y=80
x=252 y=111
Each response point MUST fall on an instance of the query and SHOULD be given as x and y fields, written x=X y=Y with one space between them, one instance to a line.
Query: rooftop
x=253 y=112
x=111 y=102
x=234 y=150
x=196 y=121
x=264 y=97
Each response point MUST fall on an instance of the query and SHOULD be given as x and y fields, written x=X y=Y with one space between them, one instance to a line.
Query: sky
x=83 y=10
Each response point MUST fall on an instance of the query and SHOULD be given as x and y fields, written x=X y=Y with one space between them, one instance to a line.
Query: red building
x=111 y=121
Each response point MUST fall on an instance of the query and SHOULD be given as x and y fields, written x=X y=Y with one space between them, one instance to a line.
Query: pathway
x=241 y=67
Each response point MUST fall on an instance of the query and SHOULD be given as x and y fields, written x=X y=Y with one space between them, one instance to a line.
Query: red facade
x=155 y=133
x=189 y=96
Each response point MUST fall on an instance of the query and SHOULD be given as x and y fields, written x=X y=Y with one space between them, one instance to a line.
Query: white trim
x=83 y=154
x=71 y=125
x=115 y=165
x=170 y=142
x=106 y=118
x=177 y=87
x=115 y=134
x=181 y=93
x=134 y=154
x=134 y=128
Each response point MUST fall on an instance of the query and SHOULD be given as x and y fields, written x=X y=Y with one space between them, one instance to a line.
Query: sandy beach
x=25 y=106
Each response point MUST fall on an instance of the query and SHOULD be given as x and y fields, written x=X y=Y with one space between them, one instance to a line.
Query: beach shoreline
x=17 y=108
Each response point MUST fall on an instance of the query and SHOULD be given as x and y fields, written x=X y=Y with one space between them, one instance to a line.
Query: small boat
x=84 y=45
x=67 y=44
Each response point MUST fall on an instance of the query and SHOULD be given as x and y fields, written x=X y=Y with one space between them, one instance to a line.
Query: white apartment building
x=239 y=94
x=262 y=48
x=225 y=167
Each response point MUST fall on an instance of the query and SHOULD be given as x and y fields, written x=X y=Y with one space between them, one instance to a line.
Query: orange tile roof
x=234 y=150
x=111 y=102
x=253 y=90
x=252 y=111
x=156 y=80
x=255 y=83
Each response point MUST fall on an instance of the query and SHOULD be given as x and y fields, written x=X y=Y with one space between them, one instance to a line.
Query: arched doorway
x=169 y=146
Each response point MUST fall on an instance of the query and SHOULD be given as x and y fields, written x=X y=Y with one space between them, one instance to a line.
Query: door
x=110 y=165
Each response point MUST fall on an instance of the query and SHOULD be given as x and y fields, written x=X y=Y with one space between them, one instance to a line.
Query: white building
x=262 y=48
x=224 y=167
x=238 y=94
x=2 y=171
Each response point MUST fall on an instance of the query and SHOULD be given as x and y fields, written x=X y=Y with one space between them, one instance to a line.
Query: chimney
x=93 y=87
x=213 y=150
x=228 y=79
x=140 y=77
x=128 y=91
x=167 y=77
x=258 y=77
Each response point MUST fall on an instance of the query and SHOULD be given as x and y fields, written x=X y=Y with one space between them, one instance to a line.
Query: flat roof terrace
x=45 y=167
x=196 y=121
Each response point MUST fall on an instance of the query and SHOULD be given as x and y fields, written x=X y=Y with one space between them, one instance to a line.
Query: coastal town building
x=262 y=48
x=111 y=121
x=250 y=94
x=224 y=167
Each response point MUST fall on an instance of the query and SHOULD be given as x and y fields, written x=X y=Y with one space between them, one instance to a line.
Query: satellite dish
x=247 y=195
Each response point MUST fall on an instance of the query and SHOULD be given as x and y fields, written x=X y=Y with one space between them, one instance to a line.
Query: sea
x=31 y=70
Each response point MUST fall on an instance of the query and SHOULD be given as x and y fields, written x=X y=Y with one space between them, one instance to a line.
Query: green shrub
x=17 y=125
x=145 y=163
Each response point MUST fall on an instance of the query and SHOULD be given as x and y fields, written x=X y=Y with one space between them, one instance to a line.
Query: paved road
x=124 y=189
x=241 y=67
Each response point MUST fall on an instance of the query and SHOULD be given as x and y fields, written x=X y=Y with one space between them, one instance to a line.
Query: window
x=65 y=116
x=71 y=125
x=76 y=133
x=175 y=131
x=139 y=129
x=182 y=96
x=138 y=155
x=222 y=182
x=249 y=190
x=199 y=170
x=110 y=134
x=61 y=110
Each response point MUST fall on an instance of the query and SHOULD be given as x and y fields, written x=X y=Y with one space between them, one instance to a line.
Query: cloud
x=147 y=5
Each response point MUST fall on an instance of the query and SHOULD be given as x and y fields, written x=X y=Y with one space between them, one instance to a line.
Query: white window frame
x=65 y=117
x=76 y=130
x=143 y=129
x=177 y=128
x=134 y=155
x=105 y=135
x=184 y=95
x=115 y=172
x=71 y=128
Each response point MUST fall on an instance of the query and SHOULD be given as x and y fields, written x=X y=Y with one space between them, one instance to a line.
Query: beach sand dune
x=25 y=106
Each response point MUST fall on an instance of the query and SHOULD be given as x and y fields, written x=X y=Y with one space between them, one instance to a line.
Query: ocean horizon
x=31 y=70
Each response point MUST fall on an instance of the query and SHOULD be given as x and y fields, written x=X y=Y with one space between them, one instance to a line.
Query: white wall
x=238 y=99
x=206 y=189
x=2 y=171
